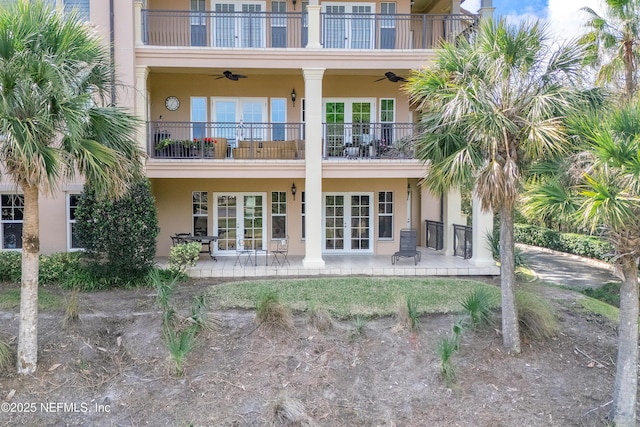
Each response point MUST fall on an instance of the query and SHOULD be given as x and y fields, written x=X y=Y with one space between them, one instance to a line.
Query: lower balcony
x=277 y=141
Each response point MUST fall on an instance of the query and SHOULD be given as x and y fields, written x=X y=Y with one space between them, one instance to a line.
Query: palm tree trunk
x=628 y=70
x=28 y=330
x=623 y=411
x=510 y=327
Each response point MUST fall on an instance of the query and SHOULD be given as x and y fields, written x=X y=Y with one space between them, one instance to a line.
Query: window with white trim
x=12 y=208
x=72 y=239
x=385 y=215
x=278 y=214
x=200 y=203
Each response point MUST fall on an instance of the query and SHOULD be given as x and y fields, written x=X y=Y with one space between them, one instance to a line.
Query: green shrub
x=119 y=236
x=59 y=267
x=479 y=307
x=10 y=266
x=184 y=255
x=271 y=312
x=446 y=348
x=609 y=293
x=493 y=240
x=6 y=356
x=578 y=244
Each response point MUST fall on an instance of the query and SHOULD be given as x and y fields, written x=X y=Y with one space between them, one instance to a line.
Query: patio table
x=206 y=242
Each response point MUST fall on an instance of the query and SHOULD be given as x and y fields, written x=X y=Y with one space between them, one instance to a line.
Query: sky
x=563 y=16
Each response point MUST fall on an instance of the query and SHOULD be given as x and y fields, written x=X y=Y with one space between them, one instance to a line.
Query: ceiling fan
x=392 y=77
x=231 y=76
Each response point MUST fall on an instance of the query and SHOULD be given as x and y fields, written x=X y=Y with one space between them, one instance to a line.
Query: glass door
x=348 y=131
x=335 y=118
x=240 y=216
x=347 y=222
x=198 y=23
x=243 y=28
x=348 y=25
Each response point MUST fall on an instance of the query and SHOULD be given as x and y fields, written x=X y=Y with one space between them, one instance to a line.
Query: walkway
x=432 y=264
x=566 y=269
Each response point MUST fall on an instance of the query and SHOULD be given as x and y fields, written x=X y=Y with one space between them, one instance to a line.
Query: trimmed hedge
x=578 y=244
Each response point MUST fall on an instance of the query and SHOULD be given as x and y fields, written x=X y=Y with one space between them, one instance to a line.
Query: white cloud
x=565 y=18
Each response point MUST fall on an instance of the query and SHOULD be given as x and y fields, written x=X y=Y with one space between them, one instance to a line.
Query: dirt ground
x=111 y=369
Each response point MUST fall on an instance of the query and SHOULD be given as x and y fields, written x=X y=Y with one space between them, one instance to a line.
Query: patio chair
x=242 y=250
x=408 y=246
x=280 y=253
x=178 y=238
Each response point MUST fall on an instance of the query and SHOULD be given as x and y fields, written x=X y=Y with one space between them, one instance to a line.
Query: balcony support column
x=482 y=227
x=142 y=73
x=313 y=168
x=486 y=9
x=137 y=20
x=313 y=11
x=452 y=214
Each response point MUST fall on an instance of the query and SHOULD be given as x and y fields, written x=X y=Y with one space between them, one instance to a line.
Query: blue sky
x=563 y=16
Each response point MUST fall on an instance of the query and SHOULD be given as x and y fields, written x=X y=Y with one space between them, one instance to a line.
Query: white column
x=313 y=168
x=142 y=72
x=137 y=19
x=452 y=215
x=486 y=9
x=313 y=39
x=482 y=227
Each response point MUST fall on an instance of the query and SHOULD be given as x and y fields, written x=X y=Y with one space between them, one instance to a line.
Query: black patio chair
x=408 y=246
x=178 y=238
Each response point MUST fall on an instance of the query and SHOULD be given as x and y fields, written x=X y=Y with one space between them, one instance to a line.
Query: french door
x=240 y=216
x=348 y=25
x=348 y=124
x=239 y=25
x=239 y=119
x=347 y=222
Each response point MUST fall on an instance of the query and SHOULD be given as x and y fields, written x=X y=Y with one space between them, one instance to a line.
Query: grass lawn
x=346 y=297
x=10 y=299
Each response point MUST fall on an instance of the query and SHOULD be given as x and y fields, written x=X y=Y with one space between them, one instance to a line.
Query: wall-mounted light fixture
x=294 y=3
x=293 y=190
x=293 y=96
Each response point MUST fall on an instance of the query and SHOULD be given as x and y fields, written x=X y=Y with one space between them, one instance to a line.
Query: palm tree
x=604 y=186
x=55 y=75
x=613 y=43
x=489 y=108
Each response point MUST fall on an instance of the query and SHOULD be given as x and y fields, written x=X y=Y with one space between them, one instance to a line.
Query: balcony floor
x=432 y=264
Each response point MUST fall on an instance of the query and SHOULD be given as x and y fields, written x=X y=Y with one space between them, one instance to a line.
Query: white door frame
x=240 y=212
x=347 y=227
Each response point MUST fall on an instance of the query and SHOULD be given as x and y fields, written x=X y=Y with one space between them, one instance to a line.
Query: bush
x=10 y=266
x=609 y=293
x=59 y=268
x=479 y=307
x=536 y=316
x=184 y=255
x=119 y=237
x=578 y=244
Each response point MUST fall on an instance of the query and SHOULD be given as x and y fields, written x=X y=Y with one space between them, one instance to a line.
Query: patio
x=433 y=263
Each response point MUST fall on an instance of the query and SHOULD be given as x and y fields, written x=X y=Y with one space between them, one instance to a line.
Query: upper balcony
x=291 y=30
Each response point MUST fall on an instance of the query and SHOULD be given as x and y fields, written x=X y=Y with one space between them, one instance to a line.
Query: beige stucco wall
x=186 y=85
x=173 y=198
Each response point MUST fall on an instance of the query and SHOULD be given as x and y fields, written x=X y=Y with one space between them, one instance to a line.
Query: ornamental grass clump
x=272 y=313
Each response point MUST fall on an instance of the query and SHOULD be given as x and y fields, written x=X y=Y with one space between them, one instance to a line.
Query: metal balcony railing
x=224 y=140
x=256 y=30
x=368 y=140
x=399 y=31
x=435 y=234
x=224 y=29
x=462 y=241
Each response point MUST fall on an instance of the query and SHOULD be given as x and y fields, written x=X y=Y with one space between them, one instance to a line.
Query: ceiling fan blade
x=239 y=76
x=382 y=78
x=221 y=77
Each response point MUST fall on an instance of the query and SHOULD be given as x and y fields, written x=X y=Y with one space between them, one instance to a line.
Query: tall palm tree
x=489 y=108
x=604 y=184
x=55 y=75
x=613 y=43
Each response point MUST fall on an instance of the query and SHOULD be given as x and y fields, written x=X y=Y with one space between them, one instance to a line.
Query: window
x=72 y=239
x=12 y=207
x=198 y=117
x=278 y=118
x=82 y=6
x=387 y=118
x=200 y=202
x=303 y=216
x=278 y=24
x=385 y=215
x=278 y=214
